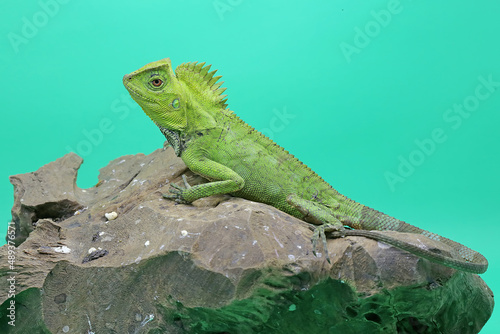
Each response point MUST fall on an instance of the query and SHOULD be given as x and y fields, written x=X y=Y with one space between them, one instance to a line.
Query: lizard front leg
x=225 y=180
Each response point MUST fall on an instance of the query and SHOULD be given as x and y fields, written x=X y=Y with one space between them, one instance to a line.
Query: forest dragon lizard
x=190 y=110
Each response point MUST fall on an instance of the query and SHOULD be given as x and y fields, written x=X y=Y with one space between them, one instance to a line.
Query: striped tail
x=370 y=221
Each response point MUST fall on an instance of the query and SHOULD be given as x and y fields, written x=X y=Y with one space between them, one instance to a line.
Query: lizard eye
x=157 y=82
x=176 y=103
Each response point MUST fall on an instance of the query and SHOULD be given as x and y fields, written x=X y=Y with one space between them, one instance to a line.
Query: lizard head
x=156 y=89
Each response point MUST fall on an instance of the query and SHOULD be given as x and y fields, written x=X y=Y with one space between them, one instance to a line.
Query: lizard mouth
x=134 y=92
x=127 y=82
x=127 y=78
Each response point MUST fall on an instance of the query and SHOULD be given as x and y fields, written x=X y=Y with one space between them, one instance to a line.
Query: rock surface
x=221 y=265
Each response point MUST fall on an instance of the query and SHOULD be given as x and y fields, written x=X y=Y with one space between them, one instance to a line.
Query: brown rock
x=221 y=265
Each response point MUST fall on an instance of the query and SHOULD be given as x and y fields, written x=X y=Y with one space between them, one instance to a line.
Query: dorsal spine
x=197 y=77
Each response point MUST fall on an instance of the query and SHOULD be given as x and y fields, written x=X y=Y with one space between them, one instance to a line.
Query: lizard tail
x=371 y=221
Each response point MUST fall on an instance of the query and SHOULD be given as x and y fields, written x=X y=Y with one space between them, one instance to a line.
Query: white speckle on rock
x=111 y=215
x=91 y=250
x=146 y=243
x=299 y=246
x=279 y=243
x=65 y=329
x=147 y=319
x=138 y=259
x=77 y=212
x=137 y=221
x=291 y=257
x=102 y=233
x=383 y=245
x=122 y=161
x=254 y=242
x=266 y=228
x=83 y=190
x=421 y=244
x=184 y=233
x=162 y=246
x=62 y=249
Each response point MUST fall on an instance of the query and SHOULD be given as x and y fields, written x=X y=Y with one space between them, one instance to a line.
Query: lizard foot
x=177 y=191
x=319 y=233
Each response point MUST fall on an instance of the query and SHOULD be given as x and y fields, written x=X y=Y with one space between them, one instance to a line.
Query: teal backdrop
x=395 y=103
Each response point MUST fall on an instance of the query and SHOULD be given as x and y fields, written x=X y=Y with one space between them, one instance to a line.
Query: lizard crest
x=203 y=83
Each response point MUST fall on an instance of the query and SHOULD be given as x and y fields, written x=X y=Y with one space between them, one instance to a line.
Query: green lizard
x=190 y=110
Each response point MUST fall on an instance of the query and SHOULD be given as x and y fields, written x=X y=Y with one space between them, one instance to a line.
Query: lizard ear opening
x=176 y=104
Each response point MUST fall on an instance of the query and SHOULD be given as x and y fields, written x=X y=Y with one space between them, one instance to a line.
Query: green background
x=352 y=116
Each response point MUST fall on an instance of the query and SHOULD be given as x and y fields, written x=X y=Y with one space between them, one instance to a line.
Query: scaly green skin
x=213 y=142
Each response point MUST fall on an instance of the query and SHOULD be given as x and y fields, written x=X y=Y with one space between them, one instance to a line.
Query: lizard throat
x=174 y=139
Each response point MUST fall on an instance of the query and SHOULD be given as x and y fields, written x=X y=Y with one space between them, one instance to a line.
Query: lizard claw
x=186 y=184
x=319 y=233
x=176 y=188
x=177 y=197
x=177 y=191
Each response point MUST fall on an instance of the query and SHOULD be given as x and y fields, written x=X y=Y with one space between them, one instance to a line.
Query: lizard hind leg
x=317 y=214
